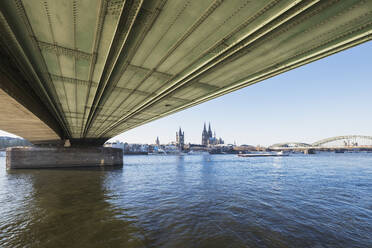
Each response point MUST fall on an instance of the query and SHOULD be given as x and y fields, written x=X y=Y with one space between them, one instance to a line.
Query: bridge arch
x=340 y=138
x=290 y=145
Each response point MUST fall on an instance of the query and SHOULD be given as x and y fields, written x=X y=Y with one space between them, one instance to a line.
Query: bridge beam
x=61 y=157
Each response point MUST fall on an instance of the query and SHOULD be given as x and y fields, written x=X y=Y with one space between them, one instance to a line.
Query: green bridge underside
x=91 y=69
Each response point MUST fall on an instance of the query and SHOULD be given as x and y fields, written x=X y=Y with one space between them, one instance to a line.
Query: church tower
x=180 y=139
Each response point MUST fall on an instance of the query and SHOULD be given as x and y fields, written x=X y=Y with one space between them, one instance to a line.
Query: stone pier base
x=59 y=157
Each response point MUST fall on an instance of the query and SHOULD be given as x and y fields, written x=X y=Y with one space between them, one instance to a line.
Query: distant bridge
x=346 y=141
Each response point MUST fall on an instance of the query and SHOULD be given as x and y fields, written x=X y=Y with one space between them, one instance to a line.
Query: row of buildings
x=172 y=148
x=208 y=141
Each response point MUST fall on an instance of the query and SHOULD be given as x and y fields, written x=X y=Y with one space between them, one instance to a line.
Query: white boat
x=277 y=154
x=159 y=152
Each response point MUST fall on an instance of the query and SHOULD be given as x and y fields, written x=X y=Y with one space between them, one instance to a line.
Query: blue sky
x=329 y=97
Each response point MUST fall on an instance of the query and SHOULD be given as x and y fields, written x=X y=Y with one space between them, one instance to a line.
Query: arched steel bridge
x=341 y=138
x=346 y=141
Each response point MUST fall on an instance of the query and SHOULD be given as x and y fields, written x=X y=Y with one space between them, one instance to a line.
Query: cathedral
x=208 y=138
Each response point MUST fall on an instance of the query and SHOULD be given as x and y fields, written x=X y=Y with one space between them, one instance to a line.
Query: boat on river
x=277 y=154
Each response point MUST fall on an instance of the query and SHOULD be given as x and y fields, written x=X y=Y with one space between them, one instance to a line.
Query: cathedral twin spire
x=207 y=135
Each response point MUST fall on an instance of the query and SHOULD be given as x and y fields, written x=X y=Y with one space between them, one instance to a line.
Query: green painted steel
x=102 y=67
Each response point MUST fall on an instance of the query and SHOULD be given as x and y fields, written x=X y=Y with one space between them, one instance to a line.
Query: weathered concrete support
x=59 y=157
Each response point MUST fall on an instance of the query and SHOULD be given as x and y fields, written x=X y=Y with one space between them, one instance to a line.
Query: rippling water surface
x=322 y=200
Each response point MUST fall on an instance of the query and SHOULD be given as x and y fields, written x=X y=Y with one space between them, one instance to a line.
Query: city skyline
x=326 y=98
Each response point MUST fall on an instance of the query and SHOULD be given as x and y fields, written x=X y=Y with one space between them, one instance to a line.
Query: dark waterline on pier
x=322 y=200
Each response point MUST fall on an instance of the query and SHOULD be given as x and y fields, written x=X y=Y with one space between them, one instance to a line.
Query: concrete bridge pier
x=62 y=157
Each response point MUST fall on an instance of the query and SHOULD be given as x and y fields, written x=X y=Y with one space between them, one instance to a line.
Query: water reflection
x=68 y=208
x=192 y=201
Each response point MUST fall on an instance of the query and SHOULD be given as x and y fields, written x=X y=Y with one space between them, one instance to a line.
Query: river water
x=322 y=200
